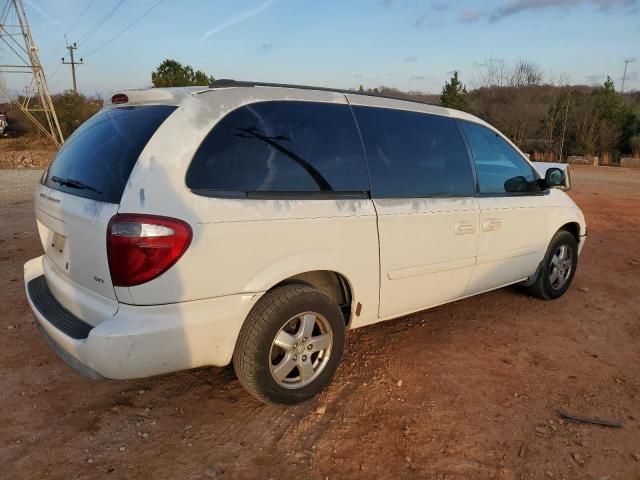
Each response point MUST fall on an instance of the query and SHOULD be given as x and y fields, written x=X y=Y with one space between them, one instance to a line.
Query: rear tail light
x=142 y=247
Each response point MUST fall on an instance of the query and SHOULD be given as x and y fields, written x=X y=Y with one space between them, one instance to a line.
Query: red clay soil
x=469 y=390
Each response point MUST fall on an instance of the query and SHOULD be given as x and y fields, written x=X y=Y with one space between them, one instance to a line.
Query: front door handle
x=464 y=228
x=491 y=224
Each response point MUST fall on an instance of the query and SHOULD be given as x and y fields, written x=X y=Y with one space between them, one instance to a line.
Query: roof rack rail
x=227 y=82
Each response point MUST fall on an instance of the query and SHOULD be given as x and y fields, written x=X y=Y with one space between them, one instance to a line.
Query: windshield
x=96 y=161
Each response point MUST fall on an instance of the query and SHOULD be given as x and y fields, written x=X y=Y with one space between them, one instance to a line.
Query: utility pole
x=624 y=75
x=22 y=57
x=73 y=64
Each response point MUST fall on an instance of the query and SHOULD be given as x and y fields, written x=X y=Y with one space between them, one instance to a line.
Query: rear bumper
x=141 y=341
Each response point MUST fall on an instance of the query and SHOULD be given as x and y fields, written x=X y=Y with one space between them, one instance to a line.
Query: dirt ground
x=470 y=390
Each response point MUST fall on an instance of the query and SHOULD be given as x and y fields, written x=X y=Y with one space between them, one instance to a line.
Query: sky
x=406 y=44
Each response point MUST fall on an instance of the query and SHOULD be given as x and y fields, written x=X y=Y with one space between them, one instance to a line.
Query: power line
x=101 y=22
x=84 y=12
x=55 y=71
x=147 y=12
x=61 y=81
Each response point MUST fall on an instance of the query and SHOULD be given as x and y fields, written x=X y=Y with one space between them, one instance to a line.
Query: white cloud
x=239 y=17
x=516 y=6
x=513 y=7
x=469 y=15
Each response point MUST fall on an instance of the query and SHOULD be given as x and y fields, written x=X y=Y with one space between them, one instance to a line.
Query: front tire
x=290 y=345
x=558 y=267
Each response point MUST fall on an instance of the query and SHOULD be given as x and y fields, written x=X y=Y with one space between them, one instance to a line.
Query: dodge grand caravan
x=255 y=223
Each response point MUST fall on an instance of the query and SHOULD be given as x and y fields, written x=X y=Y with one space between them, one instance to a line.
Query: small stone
x=145 y=435
x=211 y=472
x=399 y=383
x=89 y=460
x=636 y=456
x=583 y=289
x=153 y=423
x=407 y=459
x=10 y=327
x=141 y=392
x=549 y=473
x=321 y=410
x=577 y=458
x=523 y=450
x=516 y=395
x=541 y=430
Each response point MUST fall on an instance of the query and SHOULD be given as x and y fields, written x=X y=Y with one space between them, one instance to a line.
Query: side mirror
x=554 y=177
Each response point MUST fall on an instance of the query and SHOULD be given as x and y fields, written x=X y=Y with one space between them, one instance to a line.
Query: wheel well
x=573 y=228
x=332 y=283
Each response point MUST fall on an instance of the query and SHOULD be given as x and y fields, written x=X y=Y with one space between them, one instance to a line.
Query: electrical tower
x=22 y=58
x=73 y=64
x=624 y=75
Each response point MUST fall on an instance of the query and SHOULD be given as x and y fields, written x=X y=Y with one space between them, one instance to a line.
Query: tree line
x=550 y=118
x=546 y=117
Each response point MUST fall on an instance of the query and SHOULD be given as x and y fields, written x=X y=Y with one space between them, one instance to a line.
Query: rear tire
x=290 y=345
x=558 y=267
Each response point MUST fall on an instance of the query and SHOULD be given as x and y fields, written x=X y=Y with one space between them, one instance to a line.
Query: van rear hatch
x=80 y=192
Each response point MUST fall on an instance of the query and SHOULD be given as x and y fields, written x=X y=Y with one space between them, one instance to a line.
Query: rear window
x=414 y=154
x=96 y=161
x=281 y=147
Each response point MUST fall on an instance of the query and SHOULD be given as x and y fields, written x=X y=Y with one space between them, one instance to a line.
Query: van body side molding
x=401 y=273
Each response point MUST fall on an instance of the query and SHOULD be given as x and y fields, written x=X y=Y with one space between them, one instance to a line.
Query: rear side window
x=96 y=161
x=499 y=167
x=281 y=147
x=414 y=154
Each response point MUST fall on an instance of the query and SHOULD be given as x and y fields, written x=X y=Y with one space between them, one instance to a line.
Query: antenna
x=627 y=61
x=36 y=103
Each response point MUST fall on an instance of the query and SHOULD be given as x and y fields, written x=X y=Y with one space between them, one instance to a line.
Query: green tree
x=617 y=121
x=73 y=109
x=454 y=94
x=172 y=73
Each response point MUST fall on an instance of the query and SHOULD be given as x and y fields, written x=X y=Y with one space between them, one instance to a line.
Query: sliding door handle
x=464 y=228
x=491 y=224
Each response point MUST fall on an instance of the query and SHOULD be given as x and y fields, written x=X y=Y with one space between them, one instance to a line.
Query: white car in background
x=255 y=223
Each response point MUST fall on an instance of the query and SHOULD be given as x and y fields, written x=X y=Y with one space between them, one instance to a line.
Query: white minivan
x=254 y=223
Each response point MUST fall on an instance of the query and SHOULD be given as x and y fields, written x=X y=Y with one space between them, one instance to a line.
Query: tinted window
x=413 y=154
x=283 y=146
x=95 y=162
x=500 y=168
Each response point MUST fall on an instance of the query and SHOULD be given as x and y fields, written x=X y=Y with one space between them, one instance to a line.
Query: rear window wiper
x=70 y=182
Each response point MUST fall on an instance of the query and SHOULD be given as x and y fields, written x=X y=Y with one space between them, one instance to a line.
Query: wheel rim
x=300 y=350
x=561 y=267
